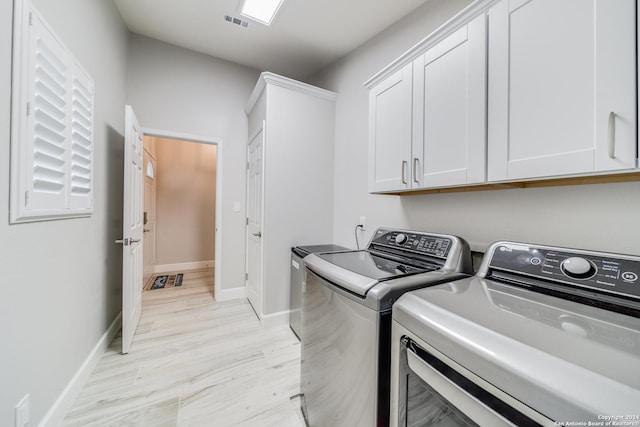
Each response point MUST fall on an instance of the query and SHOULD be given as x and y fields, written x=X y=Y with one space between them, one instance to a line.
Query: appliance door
x=434 y=394
x=339 y=357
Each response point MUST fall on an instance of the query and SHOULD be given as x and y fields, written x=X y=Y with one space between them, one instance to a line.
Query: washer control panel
x=594 y=270
x=422 y=243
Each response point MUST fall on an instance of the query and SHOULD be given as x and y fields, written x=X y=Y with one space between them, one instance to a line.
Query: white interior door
x=255 y=189
x=132 y=261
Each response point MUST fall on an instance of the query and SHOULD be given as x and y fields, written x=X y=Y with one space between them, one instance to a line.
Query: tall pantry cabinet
x=289 y=185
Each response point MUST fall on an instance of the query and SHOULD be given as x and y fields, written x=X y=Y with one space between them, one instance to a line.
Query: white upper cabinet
x=427 y=120
x=509 y=90
x=390 y=111
x=562 y=88
x=449 y=127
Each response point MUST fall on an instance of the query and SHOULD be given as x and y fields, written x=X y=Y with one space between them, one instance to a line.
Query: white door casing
x=255 y=204
x=132 y=256
x=149 y=218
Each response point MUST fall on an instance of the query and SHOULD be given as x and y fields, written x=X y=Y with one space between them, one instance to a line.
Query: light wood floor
x=195 y=362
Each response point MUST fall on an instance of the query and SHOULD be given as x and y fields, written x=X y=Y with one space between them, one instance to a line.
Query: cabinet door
x=450 y=110
x=390 y=109
x=561 y=88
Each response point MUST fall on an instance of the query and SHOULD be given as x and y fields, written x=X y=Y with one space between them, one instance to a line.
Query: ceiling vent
x=236 y=21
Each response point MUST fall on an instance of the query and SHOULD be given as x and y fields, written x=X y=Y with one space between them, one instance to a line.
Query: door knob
x=146 y=230
x=127 y=241
x=258 y=234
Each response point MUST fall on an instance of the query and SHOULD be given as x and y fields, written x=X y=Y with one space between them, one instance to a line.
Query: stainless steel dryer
x=540 y=336
x=346 y=320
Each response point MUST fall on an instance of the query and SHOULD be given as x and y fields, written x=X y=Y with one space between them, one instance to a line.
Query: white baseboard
x=229 y=294
x=57 y=412
x=163 y=268
x=275 y=319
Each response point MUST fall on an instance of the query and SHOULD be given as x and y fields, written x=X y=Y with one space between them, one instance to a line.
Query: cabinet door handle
x=612 y=135
x=416 y=165
x=404 y=172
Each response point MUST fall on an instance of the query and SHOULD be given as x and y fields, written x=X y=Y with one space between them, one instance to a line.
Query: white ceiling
x=305 y=36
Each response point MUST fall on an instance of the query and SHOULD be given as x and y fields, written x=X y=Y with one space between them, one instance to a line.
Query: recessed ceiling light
x=262 y=11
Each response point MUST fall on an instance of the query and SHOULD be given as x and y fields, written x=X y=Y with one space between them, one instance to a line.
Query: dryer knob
x=578 y=268
x=401 y=239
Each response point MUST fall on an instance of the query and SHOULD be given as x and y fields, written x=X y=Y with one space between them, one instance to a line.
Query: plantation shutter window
x=52 y=125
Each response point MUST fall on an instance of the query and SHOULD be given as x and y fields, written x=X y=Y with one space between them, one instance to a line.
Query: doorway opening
x=182 y=221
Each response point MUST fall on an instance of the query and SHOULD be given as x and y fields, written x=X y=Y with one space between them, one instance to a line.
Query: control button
x=401 y=239
x=629 y=276
x=578 y=268
x=535 y=261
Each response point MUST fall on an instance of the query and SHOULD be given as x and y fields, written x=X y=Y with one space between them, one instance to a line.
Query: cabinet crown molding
x=475 y=9
x=287 y=83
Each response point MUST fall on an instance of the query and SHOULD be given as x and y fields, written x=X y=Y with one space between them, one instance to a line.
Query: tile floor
x=195 y=362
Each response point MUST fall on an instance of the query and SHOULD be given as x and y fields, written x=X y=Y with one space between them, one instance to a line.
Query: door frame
x=161 y=133
x=147 y=269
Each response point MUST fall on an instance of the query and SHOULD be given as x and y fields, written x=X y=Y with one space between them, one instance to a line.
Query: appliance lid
x=568 y=361
x=393 y=254
x=359 y=271
x=347 y=279
x=375 y=266
x=303 y=251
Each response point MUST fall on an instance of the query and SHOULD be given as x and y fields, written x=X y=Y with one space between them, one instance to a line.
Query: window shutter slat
x=81 y=139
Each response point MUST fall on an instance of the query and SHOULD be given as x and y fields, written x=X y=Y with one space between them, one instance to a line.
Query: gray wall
x=178 y=90
x=185 y=201
x=61 y=280
x=604 y=217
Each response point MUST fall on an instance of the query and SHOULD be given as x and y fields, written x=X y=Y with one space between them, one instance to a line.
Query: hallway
x=195 y=362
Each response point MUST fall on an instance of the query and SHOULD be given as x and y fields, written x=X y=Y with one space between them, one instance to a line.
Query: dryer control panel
x=609 y=273
x=411 y=241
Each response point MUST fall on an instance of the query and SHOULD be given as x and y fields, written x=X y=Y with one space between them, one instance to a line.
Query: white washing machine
x=540 y=336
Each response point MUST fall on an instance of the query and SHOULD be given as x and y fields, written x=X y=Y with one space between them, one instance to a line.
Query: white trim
x=219 y=175
x=221 y=295
x=275 y=319
x=191 y=137
x=464 y=17
x=286 y=83
x=57 y=412
x=163 y=268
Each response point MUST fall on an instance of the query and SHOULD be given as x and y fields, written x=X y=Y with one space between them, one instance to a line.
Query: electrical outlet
x=363 y=223
x=22 y=412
